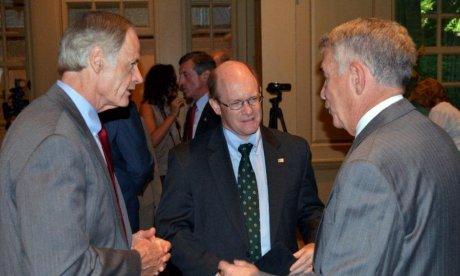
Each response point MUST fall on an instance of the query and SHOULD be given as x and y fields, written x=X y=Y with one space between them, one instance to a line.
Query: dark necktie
x=189 y=120
x=104 y=139
x=249 y=198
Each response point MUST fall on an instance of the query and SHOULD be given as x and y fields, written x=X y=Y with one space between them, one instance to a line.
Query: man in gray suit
x=395 y=205
x=61 y=209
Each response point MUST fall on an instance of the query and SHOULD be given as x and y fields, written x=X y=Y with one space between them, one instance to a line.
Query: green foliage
x=453 y=26
x=427 y=6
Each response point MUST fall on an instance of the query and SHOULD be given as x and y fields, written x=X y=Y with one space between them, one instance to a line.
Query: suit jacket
x=208 y=120
x=394 y=208
x=57 y=205
x=131 y=157
x=200 y=212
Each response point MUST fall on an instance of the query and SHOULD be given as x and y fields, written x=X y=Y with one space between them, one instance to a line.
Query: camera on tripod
x=276 y=113
x=276 y=87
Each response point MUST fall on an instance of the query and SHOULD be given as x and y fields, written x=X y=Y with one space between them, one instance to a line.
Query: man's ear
x=215 y=105
x=96 y=59
x=357 y=77
x=205 y=75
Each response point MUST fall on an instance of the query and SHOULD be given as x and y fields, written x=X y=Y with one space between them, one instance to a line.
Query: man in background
x=194 y=71
x=241 y=190
x=131 y=157
x=61 y=209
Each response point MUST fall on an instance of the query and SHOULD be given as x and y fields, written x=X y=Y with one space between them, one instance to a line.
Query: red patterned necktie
x=104 y=139
x=189 y=123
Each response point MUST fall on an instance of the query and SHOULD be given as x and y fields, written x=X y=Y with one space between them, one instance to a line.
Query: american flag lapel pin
x=280 y=160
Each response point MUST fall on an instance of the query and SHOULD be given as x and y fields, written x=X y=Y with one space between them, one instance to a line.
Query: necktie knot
x=245 y=149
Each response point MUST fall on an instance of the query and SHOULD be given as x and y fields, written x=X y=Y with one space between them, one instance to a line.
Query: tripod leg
x=273 y=120
x=281 y=117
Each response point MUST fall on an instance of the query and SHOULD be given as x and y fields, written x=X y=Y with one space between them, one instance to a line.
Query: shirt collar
x=234 y=141
x=87 y=111
x=373 y=112
x=202 y=102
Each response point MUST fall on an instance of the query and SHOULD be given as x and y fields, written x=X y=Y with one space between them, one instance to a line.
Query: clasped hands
x=302 y=265
x=154 y=251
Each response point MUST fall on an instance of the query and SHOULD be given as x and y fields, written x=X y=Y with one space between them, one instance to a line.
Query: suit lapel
x=388 y=115
x=224 y=179
x=274 y=166
x=58 y=95
x=208 y=120
x=61 y=97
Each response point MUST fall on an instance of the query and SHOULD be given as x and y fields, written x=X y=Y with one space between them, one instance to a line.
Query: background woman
x=159 y=110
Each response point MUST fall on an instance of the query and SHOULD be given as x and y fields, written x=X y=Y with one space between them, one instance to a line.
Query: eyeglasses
x=237 y=105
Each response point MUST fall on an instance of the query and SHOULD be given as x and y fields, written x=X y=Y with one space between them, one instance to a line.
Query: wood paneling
x=291 y=31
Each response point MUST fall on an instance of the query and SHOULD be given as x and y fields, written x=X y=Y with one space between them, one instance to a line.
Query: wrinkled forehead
x=131 y=46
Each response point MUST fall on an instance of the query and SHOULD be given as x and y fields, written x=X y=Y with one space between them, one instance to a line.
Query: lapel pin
x=280 y=160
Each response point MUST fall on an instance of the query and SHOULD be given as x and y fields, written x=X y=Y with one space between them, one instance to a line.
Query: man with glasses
x=241 y=190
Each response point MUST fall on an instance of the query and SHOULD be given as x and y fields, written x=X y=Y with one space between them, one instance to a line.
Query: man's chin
x=123 y=103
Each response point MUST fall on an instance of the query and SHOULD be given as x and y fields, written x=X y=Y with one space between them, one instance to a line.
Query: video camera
x=276 y=87
x=276 y=113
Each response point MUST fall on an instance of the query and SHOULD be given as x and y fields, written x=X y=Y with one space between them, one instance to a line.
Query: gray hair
x=102 y=29
x=383 y=45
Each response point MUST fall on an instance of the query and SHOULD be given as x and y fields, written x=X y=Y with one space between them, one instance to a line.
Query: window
x=435 y=28
x=139 y=12
x=211 y=25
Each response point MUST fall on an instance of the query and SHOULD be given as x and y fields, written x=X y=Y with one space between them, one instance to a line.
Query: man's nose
x=247 y=108
x=137 y=76
x=322 y=93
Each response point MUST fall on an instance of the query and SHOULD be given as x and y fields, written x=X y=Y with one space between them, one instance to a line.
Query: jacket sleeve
x=310 y=207
x=132 y=158
x=174 y=221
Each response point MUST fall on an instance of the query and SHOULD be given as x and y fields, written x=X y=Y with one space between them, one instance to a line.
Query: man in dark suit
x=241 y=190
x=195 y=69
x=61 y=210
x=395 y=205
x=131 y=157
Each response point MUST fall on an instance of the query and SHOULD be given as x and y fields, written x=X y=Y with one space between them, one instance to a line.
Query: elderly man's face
x=337 y=93
x=117 y=81
x=236 y=83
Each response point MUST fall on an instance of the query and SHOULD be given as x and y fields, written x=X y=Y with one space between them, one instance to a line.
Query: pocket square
x=280 y=160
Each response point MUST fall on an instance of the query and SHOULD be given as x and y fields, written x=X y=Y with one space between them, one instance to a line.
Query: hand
x=153 y=251
x=304 y=263
x=164 y=245
x=238 y=268
x=176 y=105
